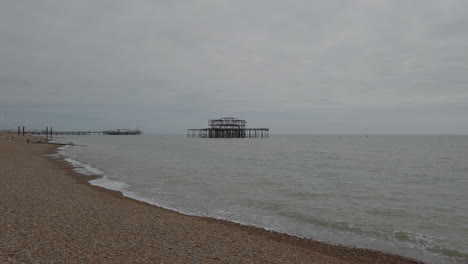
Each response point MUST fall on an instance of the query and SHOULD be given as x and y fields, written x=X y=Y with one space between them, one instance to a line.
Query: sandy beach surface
x=49 y=214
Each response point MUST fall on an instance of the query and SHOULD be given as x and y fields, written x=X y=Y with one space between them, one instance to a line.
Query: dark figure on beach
x=27 y=140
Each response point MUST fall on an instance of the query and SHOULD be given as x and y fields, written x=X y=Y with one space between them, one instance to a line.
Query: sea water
x=406 y=195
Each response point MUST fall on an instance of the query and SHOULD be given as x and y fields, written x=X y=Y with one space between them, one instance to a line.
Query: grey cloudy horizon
x=298 y=67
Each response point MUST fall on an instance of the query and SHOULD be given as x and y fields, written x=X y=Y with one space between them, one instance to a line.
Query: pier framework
x=75 y=133
x=228 y=127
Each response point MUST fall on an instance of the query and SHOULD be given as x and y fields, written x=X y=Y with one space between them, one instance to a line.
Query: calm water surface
x=402 y=194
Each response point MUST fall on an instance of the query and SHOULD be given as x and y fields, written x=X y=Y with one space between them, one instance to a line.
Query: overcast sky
x=298 y=67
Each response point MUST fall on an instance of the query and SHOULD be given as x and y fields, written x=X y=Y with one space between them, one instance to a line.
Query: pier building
x=228 y=127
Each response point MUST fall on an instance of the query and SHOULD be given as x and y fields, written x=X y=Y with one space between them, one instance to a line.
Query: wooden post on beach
x=50 y=132
x=47 y=134
x=23 y=131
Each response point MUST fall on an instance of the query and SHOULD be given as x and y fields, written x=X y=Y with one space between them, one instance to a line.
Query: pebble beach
x=50 y=214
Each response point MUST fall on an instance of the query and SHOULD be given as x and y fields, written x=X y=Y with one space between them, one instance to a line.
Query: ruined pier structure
x=228 y=127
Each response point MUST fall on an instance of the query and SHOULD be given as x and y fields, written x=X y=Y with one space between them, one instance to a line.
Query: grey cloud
x=205 y=59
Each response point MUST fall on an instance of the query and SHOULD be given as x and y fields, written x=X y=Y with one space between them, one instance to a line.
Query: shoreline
x=185 y=239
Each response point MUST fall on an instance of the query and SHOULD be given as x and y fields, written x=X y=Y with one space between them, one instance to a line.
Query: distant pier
x=228 y=127
x=81 y=133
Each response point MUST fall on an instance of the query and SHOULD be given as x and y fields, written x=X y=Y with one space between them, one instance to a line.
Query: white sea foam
x=83 y=168
x=86 y=169
x=62 y=148
x=110 y=184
